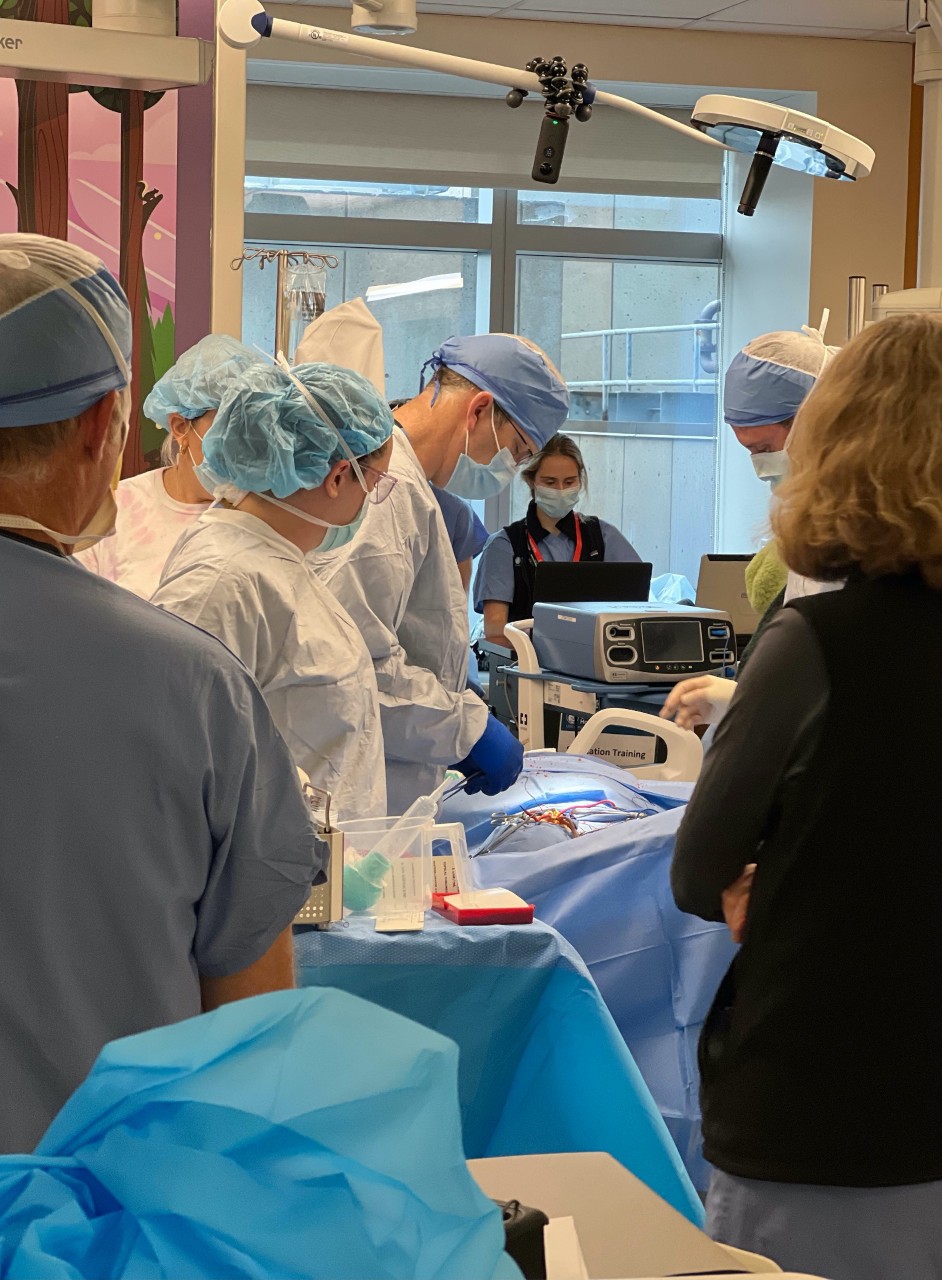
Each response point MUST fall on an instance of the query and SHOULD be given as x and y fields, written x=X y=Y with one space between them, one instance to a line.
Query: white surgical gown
x=237 y=578
x=399 y=582
x=148 y=525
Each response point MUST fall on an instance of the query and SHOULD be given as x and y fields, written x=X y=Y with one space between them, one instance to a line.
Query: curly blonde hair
x=865 y=490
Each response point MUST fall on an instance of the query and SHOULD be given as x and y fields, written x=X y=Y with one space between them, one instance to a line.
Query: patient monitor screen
x=672 y=641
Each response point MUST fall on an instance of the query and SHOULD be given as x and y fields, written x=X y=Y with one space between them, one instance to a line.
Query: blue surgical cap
x=517 y=376
x=769 y=379
x=57 y=359
x=758 y=392
x=266 y=438
x=198 y=381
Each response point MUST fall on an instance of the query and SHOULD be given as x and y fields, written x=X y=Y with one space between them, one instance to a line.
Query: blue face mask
x=557 y=502
x=337 y=535
x=477 y=481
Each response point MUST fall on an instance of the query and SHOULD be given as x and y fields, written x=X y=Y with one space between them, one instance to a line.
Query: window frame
x=503 y=240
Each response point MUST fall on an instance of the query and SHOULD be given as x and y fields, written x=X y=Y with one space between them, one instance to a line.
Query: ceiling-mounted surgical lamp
x=774 y=134
x=384 y=17
x=779 y=135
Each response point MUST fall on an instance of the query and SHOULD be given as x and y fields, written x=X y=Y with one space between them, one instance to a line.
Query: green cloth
x=766 y=576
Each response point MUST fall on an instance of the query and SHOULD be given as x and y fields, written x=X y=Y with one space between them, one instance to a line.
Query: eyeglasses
x=527 y=451
x=382 y=487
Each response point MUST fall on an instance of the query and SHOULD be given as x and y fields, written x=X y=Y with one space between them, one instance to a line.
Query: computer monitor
x=722 y=585
x=573 y=581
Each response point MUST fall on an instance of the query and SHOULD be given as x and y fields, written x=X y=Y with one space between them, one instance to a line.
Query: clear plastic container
x=449 y=847
x=397 y=862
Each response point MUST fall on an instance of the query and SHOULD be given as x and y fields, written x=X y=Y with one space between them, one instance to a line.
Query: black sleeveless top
x=820 y=1057
x=526 y=533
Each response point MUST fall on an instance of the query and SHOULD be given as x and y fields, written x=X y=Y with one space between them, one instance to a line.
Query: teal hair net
x=266 y=438
x=199 y=379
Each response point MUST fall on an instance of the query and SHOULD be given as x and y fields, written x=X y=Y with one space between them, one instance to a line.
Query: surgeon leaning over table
x=298 y=457
x=492 y=401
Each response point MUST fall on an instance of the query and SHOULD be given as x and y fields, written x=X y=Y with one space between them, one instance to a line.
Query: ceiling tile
x=602 y=19
x=482 y=9
x=856 y=15
x=664 y=10
x=771 y=29
x=899 y=35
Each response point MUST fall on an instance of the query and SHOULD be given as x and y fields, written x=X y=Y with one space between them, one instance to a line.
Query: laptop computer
x=574 y=582
x=722 y=585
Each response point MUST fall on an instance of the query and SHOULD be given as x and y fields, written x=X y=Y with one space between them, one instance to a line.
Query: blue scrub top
x=466 y=533
x=151 y=825
x=494 y=579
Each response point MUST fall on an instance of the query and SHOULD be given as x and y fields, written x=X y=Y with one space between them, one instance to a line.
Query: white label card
x=402 y=922
x=444 y=879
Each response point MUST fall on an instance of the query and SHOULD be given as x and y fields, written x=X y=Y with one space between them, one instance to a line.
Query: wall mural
x=97 y=167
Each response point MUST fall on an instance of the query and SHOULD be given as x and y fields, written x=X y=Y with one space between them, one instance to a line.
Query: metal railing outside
x=627 y=382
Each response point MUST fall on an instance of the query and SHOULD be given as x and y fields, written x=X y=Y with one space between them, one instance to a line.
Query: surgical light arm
x=773 y=134
x=244 y=23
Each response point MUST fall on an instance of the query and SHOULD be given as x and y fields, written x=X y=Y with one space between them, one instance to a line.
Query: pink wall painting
x=97 y=222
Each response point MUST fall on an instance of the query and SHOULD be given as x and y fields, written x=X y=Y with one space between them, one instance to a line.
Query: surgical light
x=773 y=134
x=778 y=135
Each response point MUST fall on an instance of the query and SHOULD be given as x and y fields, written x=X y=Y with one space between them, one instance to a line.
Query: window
x=636 y=343
x=419 y=298
x=621 y=291
x=312 y=197
x=627 y=212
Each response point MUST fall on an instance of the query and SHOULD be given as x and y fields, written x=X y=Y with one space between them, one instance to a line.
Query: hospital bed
x=608 y=893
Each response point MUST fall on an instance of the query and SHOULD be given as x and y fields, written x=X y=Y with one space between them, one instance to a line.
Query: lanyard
x=577 y=553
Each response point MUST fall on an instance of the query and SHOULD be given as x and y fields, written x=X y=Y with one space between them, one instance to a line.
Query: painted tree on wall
x=137 y=205
x=42 y=190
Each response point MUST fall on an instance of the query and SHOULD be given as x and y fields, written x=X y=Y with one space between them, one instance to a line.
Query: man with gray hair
x=155 y=842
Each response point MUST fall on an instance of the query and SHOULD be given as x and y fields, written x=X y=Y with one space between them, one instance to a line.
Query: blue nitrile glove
x=496 y=758
x=473 y=685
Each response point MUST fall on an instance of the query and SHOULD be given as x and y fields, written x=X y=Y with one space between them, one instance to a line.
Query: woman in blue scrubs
x=551 y=530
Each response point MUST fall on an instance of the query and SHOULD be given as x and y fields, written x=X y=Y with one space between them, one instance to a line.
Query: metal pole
x=606 y=373
x=856 y=305
x=282 y=309
x=876 y=293
x=928 y=73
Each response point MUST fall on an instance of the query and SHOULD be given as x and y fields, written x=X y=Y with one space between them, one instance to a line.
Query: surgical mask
x=337 y=535
x=102 y=524
x=557 y=502
x=771 y=467
x=476 y=481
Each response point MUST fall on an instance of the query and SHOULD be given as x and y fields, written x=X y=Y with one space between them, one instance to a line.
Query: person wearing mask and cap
x=350 y=335
x=492 y=402
x=156 y=843
x=766 y=384
x=297 y=457
x=155 y=507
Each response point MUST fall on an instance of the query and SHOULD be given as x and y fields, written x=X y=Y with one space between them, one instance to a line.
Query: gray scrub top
x=151 y=825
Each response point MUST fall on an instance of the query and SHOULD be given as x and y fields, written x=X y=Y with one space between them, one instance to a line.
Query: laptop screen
x=573 y=582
